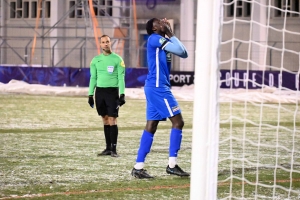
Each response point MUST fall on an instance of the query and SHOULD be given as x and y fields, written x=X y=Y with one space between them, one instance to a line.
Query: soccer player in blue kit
x=161 y=103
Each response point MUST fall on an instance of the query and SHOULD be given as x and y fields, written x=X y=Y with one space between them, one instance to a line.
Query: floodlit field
x=48 y=148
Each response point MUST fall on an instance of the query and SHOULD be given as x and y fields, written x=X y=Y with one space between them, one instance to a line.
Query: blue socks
x=175 y=142
x=145 y=146
x=147 y=140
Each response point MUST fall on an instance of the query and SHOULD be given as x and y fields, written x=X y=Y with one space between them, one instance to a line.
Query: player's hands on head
x=121 y=100
x=166 y=27
x=167 y=24
x=91 y=101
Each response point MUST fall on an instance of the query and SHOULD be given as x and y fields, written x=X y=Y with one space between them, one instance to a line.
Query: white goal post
x=204 y=167
x=246 y=116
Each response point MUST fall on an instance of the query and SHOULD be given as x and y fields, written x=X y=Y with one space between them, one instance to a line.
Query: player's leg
x=111 y=97
x=170 y=108
x=175 y=143
x=146 y=140
x=144 y=148
x=175 y=136
x=102 y=111
x=167 y=107
x=146 y=143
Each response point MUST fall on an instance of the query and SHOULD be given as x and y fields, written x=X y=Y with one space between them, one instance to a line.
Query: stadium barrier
x=135 y=77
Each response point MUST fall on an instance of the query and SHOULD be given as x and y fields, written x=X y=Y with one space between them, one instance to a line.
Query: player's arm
x=93 y=78
x=175 y=46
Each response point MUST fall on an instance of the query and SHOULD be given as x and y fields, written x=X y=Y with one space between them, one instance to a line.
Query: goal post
x=246 y=115
x=204 y=167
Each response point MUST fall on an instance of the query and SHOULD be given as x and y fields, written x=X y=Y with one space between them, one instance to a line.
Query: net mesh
x=259 y=140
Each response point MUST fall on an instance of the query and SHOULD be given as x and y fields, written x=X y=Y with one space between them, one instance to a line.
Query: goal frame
x=205 y=138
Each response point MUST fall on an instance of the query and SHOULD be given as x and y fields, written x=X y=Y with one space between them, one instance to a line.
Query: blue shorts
x=161 y=104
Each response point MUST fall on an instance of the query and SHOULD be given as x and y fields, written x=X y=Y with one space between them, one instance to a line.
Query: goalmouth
x=248 y=147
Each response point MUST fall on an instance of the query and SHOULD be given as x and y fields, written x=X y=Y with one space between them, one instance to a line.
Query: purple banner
x=255 y=79
x=135 y=77
x=35 y=75
x=181 y=78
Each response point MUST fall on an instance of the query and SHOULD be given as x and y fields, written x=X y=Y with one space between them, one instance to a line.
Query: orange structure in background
x=136 y=30
x=120 y=34
x=97 y=31
x=39 y=7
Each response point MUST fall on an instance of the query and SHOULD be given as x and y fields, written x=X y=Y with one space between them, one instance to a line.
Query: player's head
x=150 y=25
x=155 y=25
x=105 y=44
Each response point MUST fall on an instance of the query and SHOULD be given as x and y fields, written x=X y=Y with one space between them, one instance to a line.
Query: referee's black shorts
x=107 y=101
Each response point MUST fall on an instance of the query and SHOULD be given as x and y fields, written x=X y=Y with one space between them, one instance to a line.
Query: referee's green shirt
x=107 y=71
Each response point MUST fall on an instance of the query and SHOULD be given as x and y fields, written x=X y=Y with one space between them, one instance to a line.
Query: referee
x=107 y=81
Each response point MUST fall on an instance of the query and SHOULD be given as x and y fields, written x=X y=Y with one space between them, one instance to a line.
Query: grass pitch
x=49 y=145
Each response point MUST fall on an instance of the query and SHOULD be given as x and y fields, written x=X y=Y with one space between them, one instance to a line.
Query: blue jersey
x=159 y=62
x=161 y=103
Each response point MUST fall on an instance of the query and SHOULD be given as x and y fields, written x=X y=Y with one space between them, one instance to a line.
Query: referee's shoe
x=105 y=152
x=114 y=154
x=176 y=171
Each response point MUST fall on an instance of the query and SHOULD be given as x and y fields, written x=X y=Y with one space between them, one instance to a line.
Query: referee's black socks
x=114 y=136
x=107 y=136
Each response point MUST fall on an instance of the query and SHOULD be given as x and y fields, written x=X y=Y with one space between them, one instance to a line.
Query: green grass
x=48 y=148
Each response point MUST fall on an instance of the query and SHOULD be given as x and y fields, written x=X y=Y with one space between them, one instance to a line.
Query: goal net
x=246 y=146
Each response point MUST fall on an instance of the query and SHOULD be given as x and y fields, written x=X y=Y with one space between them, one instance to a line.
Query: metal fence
x=79 y=52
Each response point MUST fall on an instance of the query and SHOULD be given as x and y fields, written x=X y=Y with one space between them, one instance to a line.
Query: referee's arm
x=93 y=79
x=121 y=77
